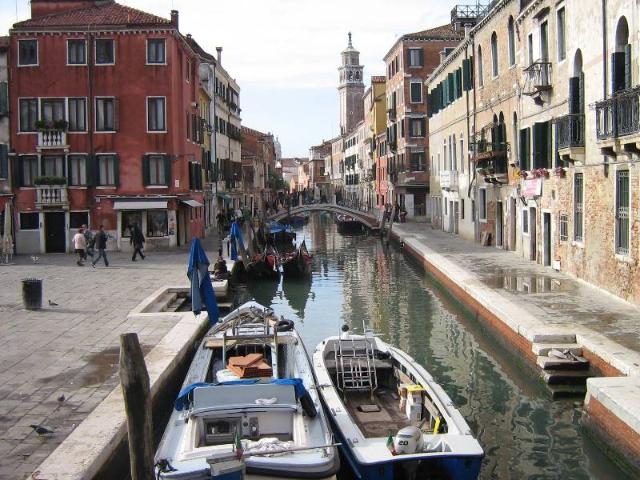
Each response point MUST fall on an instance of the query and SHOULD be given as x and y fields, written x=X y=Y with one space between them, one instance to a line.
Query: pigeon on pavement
x=61 y=398
x=41 y=429
x=52 y=303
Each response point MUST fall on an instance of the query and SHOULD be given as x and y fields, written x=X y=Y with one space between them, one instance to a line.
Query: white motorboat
x=393 y=420
x=249 y=395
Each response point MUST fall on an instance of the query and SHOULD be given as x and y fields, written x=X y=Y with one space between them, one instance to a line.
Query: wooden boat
x=250 y=402
x=280 y=235
x=393 y=419
x=264 y=266
x=298 y=263
x=348 y=224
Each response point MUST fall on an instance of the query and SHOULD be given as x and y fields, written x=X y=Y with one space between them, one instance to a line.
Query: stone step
x=552 y=363
x=571 y=377
x=567 y=391
x=543 y=349
x=554 y=337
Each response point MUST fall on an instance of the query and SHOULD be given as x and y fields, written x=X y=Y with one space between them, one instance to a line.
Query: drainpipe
x=472 y=175
x=215 y=140
x=90 y=107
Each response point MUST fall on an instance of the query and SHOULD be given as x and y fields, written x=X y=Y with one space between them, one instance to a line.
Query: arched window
x=621 y=77
x=494 y=54
x=512 y=42
x=480 y=73
x=576 y=86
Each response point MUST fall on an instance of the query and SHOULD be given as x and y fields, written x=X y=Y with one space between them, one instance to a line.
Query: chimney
x=219 y=50
x=467 y=30
x=175 y=19
x=443 y=55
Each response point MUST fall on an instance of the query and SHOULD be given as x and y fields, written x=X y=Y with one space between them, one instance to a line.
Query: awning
x=192 y=203
x=140 y=205
x=225 y=197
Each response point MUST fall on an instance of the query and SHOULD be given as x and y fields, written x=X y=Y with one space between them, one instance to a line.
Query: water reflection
x=357 y=281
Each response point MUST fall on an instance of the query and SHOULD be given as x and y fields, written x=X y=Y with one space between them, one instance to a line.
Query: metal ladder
x=355 y=365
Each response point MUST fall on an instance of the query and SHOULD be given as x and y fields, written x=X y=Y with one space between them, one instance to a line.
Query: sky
x=285 y=53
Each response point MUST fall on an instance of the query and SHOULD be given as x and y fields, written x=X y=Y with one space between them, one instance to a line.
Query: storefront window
x=157 y=223
x=130 y=218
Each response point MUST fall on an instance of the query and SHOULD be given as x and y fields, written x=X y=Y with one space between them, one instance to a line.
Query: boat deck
x=376 y=423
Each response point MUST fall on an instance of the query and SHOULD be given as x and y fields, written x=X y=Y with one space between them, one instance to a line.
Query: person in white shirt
x=80 y=245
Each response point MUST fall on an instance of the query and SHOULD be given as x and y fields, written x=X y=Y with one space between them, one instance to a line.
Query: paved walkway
x=552 y=297
x=71 y=349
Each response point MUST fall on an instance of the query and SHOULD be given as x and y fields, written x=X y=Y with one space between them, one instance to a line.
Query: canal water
x=358 y=281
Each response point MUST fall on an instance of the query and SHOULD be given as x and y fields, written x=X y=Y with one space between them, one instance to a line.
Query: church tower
x=351 y=89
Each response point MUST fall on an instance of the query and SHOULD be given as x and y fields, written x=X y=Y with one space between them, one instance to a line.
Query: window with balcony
x=578 y=198
x=107 y=170
x=105 y=114
x=77 y=170
x=77 y=114
x=416 y=127
x=156 y=170
x=52 y=110
x=621 y=59
x=511 y=41
x=156 y=117
x=562 y=40
x=544 y=41
x=542 y=145
x=622 y=212
x=53 y=166
x=105 y=52
x=530 y=49
x=76 y=52
x=27 y=170
x=416 y=57
x=28 y=114
x=416 y=92
x=156 y=51
x=27 y=53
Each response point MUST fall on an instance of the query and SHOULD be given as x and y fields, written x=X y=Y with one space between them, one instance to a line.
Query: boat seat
x=221 y=397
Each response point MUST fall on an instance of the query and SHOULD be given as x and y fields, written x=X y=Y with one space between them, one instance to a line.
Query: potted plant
x=523 y=174
x=49 y=180
x=61 y=125
x=560 y=172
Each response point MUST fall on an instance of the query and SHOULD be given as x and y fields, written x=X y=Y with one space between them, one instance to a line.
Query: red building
x=105 y=126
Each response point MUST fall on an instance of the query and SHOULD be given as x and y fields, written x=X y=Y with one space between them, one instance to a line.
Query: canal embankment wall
x=97 y=447
x=612 y=402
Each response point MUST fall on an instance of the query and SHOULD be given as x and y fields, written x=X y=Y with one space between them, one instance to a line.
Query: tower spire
x=350 y=45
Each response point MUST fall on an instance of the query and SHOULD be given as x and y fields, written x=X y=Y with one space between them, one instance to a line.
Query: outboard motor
x=408 y=440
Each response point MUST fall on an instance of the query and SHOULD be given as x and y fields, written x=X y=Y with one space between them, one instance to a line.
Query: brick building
x=6 y=193
x=258 y=164
x=105 y=126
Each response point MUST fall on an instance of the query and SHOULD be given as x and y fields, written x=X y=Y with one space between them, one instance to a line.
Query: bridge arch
x=369 y=220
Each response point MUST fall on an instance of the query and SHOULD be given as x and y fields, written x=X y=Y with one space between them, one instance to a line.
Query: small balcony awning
x=225 y=196
x=140 y=205
x=192 y=203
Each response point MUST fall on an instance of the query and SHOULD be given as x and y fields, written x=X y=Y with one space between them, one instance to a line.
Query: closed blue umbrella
x=201 y=288
x=236 y=236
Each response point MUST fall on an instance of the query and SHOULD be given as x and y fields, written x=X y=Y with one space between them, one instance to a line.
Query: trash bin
x=32 y=293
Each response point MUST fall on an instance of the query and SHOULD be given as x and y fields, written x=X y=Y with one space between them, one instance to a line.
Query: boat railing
x=355 y=365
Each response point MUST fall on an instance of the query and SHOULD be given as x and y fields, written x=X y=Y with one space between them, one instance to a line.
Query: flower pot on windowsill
x=50 y=180
x=61 y=125
x=523 y=174
x=560 y=172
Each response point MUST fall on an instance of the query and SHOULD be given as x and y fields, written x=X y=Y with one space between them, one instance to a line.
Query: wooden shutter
x=459 y=82
x=541 y=145
x=145 y=170
x=421 y=57
x=92 y=170
x=167 y=170
x=4 y=161
x=627 y=66
x=4 y=98
x=18 y=169
x=617 y=71
x=116 y=112
x=466 y=75
x=116 y=170
x=423 y=126
x=191 y=176
x=574 y=95
x=524 y=149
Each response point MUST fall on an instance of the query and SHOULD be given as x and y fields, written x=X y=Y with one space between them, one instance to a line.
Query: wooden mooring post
x=137 y=403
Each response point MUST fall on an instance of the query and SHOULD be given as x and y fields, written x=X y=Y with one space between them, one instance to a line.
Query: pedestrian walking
x=80 y=246
x=101 y=245
x=88 y=235
x=137 y=240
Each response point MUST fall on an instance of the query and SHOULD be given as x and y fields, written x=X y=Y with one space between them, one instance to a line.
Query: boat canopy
x=275 y=227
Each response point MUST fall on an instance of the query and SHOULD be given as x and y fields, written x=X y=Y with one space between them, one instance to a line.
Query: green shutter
x=524 y=149
x=191 y=176
x=466 y=75
x=18 y=177
x=4 y=161
x=541 y=145
x=145 y=170
x=91 y=170
x=116 y=170
x=459 y=83
x=4 y=98
x=421 y=57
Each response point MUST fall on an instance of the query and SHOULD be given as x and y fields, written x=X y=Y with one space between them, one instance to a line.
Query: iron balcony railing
x=570 y=131
x=619 y=115
x=537 y=77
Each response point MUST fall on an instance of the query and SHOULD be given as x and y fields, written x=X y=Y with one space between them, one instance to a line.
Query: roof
x=4 y=42
x=198 y=49
x=97 y=15
x=443 y=32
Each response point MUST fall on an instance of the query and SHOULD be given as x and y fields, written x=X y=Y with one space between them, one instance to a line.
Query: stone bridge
x=369 y=220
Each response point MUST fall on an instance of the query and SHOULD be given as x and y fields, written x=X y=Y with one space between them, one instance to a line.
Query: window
x=578 y=189
x=483 y=203
x=544 y=42
x=77 y=115
x=156 y=114
x=416 y=57
x=525 y=221
x=416 y=127
x=462 y=160
x=542 y=145
x=473 y=210
x=105 y=114
x=494 y=54
x=462 y=209
x=77 y=170
x=52 y=110
x=188 y=71
x=622 y=212
x=530 y=49
x=157 y=225
x=512 y=42
x=77 y=219
x=27 y=52
x=564 y=227
x=417 y=161
x=28 y=114
x=562 y=42
x=4 y=160
x=29 y=221
x=156 y=170
x=480 y=74
x=76 y=52
x=52 y=166
x=416 y=92
x=105 y=51
x=4 y=98
x=107 y=170
x=28 y=170
x=156 y=50
x=129 y=219
x=454 y=154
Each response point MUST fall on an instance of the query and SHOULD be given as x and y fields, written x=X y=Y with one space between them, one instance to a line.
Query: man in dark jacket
x=101 y=245
x=137 y=240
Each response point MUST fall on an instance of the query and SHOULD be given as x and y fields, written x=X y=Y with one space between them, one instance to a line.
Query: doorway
x=499 y=225
x=546 y=240
x=456 y=216
x=512 y=224
x=182 y=227
x=55 y=232
x=532 y=234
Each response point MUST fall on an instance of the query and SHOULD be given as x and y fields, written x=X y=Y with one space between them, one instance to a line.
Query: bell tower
x=351 y=89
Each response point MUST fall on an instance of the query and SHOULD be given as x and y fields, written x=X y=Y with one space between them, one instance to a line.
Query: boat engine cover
x=408 y=440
